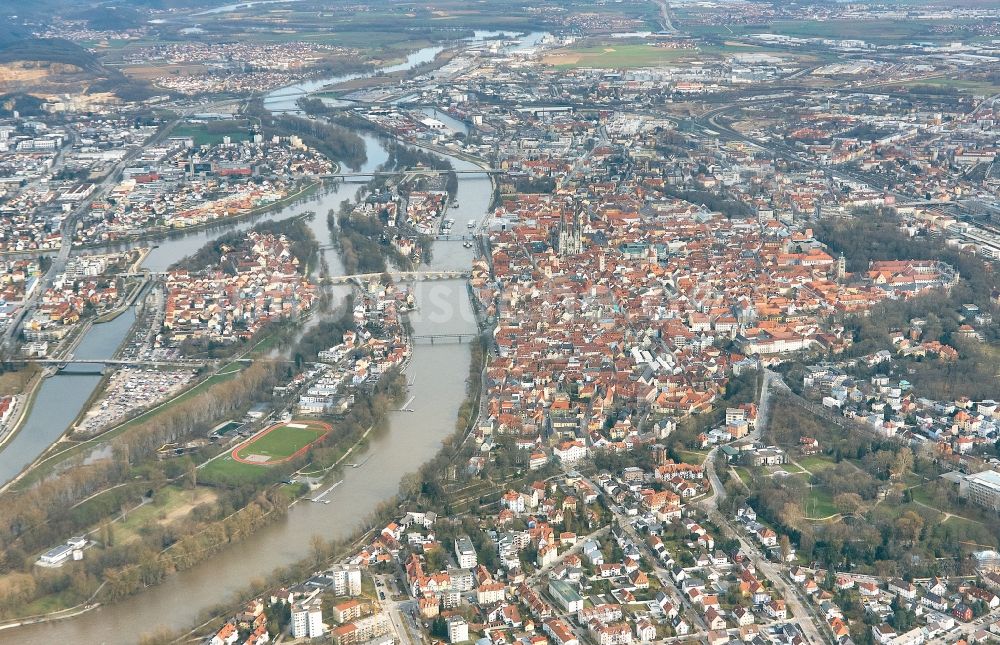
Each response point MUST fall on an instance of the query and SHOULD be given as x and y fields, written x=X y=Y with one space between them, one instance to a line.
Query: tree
x=791 y=513
x=908 y=526
x=107 y=535
x=902 y=464
x=786 y=547
x=410 y=486
x=439 y=628
x=847 y=503
x=319 y=548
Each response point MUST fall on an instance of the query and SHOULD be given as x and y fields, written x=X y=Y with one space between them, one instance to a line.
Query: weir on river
x=437 y=375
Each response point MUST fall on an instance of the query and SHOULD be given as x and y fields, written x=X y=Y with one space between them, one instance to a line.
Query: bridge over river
x=411 y=172
x=195 y=363
x=400 y=276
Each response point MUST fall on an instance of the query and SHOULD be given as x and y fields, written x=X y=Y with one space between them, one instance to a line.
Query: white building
x=346 y=580
x=56 y=556
x=569 y=452
x=466 y=553
x=307 y=620
x=915 y=636
x=458 y=630
x=982 y=489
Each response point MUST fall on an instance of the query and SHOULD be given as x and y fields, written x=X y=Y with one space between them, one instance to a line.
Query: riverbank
x=24 y=405
x=128 y=300
x=62 y=614
x=157 y=233
x=207 y=540
x=336 y=91
x=49 y=460
x=388 y=509
x=74 y=340
x=141 y=291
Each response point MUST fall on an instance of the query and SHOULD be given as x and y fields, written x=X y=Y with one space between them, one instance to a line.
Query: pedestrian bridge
x=400 y=276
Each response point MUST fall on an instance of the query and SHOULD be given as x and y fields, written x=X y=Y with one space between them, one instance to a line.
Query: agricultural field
x=617 y=56
x=878 y=31
x=380 y=26
x=153 y=71
x=970 y=86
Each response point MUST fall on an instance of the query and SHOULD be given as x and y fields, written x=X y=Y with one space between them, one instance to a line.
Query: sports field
x=281 y=442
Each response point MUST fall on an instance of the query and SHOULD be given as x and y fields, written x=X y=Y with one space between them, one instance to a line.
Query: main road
x=806 y=618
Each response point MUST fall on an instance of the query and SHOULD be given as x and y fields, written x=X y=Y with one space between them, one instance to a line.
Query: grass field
x=616 y=56
x=815 y=463
x=280 y=442
x=693 y=457
x=170 y=503
x=818 y=504
x=984 y=88
x=204 y=134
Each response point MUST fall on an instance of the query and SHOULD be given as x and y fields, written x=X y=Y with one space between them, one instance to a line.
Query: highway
x=665 y=19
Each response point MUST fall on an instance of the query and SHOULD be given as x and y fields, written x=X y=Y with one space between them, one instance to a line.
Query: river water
x=437 y=374
x=61 y=397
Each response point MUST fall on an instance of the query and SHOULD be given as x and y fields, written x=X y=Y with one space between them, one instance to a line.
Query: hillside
x=49 y=50
x=47 y=66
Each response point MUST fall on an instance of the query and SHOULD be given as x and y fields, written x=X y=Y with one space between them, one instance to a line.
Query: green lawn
x=984 y=88
x=815 y=463
x=920 y=494
x=694 y=457
x=818 y=504
x=278 y=444
x=788 y=468
x=167 y=502
x=210 y=134
x=227 y=471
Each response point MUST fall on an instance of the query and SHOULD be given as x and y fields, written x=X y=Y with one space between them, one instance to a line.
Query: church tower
x=571 y=235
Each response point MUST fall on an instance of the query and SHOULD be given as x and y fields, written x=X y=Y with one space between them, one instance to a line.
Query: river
x=60 y=398
x=437 y=374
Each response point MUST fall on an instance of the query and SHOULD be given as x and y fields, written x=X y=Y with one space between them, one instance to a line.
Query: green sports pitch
x=281 y=442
